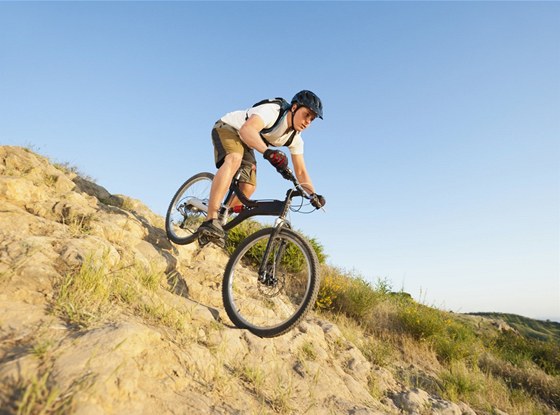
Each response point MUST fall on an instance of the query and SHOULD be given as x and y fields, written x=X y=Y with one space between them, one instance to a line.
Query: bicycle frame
x=257 y=207
x=263 y=208
x=249 y=207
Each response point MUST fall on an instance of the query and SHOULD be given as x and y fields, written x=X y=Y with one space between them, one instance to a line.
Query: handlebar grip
x=288 y=175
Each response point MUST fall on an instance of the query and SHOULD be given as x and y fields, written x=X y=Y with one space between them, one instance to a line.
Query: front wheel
x=188 y=208
x=271 y=281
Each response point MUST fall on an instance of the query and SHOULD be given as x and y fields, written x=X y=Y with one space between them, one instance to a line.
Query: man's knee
x=233 y=161
x=247 y=188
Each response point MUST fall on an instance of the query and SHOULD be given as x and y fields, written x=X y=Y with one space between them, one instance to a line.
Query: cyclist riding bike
x=235 y=136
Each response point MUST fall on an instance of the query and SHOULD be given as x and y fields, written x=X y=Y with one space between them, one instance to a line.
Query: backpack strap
x=287 y=143
x=284 y=107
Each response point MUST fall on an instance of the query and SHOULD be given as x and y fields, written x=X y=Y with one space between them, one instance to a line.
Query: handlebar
x=288 y=175
x=300 y=190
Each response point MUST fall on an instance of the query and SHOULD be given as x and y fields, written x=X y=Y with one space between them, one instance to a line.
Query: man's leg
x=247 y=178
x=212 y=227
x=228 y=153
x=221 y=182
x=248 y=189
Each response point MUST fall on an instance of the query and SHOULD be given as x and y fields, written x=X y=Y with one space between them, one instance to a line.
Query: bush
x=457 y=342
x=332 y=287
x=520 y=350
x=319 y=250
x=358 y=299
x=293 y=261
x=538 y=384
x=240 y=232
x=344 y=293
x=460 y=382
x=419 y=321
x=451 y=339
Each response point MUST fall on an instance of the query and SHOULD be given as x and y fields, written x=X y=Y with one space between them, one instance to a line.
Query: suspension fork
x=280 y=223
x=272 y=257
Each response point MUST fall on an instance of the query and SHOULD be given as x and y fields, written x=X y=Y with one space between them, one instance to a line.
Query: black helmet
x=310 y=100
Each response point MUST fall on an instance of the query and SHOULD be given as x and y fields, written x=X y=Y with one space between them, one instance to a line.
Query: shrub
x=456 y=342
x=460 y=382
x=347 y=294
x=520 y=350
x=358 y=299
x=240 y=232
x=293 y=260
x=451 y=339
x=319 y=249
x=419 y=321
x=537 y=383
x=332 y=287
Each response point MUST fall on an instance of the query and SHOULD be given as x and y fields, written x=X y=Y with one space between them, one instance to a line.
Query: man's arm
x=301 y=172
x=250 y=133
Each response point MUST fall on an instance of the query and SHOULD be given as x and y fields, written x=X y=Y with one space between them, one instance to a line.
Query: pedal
x=219 y=242
x=204 y=240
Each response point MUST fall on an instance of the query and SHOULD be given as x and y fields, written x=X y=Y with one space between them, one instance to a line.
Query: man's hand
x=318 y=201
x=277 y=158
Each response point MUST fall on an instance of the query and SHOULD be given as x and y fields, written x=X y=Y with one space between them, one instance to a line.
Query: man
x=237 y=134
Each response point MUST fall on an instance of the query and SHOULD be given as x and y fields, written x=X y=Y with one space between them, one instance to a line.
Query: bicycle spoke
x=269 y=295
x=188 y=208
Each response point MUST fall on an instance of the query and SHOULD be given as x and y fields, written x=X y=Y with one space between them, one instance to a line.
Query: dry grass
x=452 y=357
x=95 y=293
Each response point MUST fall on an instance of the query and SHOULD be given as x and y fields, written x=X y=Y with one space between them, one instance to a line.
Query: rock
x=165 y=345
x=416 y=401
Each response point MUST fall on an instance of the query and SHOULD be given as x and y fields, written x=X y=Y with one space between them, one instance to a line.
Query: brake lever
x=300 y=188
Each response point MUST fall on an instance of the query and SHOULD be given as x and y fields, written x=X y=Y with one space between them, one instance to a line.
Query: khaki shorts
x=226 y=140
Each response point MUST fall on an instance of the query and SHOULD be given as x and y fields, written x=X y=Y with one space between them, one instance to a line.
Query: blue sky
x=438 y=153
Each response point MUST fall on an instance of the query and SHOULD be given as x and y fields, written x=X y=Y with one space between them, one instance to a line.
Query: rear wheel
x=188 y=209
x=269 y=293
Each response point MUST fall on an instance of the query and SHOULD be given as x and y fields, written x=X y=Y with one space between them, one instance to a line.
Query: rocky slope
x=165 y=347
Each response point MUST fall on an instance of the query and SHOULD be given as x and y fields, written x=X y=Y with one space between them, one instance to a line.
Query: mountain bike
x=271 y=280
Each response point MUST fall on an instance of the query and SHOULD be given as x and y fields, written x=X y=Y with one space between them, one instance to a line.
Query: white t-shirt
x=268 y=113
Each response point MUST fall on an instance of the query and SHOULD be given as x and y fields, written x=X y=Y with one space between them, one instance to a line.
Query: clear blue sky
x=438 y=153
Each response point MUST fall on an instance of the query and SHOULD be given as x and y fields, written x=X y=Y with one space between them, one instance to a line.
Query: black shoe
x=212 y=229
x=204 y=240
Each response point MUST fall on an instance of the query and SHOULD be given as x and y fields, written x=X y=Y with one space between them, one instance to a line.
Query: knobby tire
x=272 y=307
x=197 y=186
